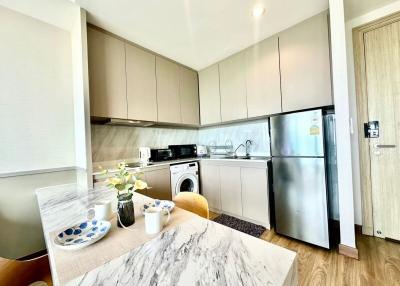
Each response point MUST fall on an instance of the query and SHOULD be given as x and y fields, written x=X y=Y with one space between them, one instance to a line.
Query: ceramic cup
x=154 y=219
x=102 y=210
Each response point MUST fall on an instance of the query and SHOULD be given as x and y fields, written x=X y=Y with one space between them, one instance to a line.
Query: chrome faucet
x=241 y=145
x=248 y=144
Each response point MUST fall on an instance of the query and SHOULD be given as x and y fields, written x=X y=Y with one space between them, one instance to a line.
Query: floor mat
x=240 y=225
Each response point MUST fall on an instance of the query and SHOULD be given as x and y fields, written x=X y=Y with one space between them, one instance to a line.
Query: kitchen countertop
x=195 y=251
x=98 y=167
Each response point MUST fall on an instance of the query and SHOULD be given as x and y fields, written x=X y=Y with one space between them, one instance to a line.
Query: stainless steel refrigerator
x=303 y=166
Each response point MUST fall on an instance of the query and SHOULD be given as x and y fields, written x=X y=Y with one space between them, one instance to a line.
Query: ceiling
x=59 y=13
x=355 y=8
x=197 y=33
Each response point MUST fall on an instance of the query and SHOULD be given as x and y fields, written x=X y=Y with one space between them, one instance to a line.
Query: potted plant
x=125 y=183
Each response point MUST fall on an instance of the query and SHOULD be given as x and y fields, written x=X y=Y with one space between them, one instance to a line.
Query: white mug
x=102 y=210
x=154 y=219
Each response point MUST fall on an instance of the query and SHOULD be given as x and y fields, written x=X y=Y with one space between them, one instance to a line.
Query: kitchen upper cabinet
x=107 y=78
x=141 y=84
x=210 y=185
x=189 y=96
x=255 y=201
x=263 y=78
x=305 y=65
x=231 y=193
x=210 y=101
x=168 y=100
x=233 y=87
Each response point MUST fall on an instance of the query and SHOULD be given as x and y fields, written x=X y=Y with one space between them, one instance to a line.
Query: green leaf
x=120 y=187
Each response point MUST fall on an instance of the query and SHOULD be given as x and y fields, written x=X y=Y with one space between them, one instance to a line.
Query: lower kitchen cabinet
x=255 y=202
x=210 y=185
x=237 y=188
x=231 y=197
x=160 y=182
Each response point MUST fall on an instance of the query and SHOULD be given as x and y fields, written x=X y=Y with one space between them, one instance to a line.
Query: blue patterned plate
x=82 y=235
x=164 y=204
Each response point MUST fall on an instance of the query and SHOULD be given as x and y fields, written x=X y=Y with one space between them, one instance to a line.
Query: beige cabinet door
x=210 y=185
x=107 y=78
x=231 y=191
x=141 y=84
x=233 y=88
x=210 y=101
x=255 y=195
x=305 y=65
x=168 y=101
x=263 y=78
x=189 y=96
x=160 y=183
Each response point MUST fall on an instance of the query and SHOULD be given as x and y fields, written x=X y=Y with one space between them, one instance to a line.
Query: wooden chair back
x=23 y=273
x=192 y=202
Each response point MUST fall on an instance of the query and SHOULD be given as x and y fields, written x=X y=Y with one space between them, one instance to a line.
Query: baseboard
x=358 y=228
x=348 y=251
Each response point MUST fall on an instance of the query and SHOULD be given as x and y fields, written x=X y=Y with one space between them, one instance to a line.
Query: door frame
x=362 y=115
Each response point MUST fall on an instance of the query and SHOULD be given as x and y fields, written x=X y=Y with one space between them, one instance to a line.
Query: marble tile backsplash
x=236 y=134
x=122 y=142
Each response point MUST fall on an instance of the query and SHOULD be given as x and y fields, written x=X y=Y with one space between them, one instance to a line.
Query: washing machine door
x=187 y=183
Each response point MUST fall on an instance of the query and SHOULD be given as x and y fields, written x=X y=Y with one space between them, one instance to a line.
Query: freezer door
x=300 y=199
x=298 y=134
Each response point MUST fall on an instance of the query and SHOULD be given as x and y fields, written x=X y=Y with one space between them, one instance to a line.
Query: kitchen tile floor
x=378 y=264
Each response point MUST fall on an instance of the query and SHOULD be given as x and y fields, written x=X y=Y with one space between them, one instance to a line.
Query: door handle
x=384 y=146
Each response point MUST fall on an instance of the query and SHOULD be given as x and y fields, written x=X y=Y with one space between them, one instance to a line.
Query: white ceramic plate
x=164 y=204
x=82 y=235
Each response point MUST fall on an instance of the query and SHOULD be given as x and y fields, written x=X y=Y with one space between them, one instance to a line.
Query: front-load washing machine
x=184 y=178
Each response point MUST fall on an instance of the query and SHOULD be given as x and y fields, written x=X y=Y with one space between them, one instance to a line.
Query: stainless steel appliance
x=184 y=151
x=158 y=155
x=300 y=143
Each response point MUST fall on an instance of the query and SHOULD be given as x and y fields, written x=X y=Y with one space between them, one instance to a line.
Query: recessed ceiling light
x=258 y=11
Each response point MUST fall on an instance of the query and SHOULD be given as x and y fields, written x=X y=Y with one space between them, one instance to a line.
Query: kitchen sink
x=246 y=157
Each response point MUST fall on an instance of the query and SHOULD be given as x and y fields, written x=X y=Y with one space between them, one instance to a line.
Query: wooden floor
x=378 y=264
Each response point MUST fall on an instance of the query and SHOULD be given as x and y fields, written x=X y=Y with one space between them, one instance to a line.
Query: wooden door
x=231 y=190
x=141 y=84
x=263 y=78
x=210 y=101
x=233 y=88
x=189 y=96
x=210 y=185
x=107 y=78
x=305 y=65
x=382 y=73
x=255 y=195
x=168 y=101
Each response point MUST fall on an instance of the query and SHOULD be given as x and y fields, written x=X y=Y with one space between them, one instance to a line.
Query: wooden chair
x=24 y=273
x=192 y=202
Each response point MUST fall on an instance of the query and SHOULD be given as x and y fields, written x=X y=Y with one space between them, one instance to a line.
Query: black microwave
x=184 y=151
x=157 y=155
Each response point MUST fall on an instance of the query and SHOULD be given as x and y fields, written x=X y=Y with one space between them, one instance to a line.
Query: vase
x=126 y=211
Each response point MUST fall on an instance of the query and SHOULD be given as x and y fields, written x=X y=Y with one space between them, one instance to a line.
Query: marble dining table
x=190 y=250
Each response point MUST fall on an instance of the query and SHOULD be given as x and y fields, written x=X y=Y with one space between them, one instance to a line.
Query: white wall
x=21 y=228
x=36 y=124
x=340 y=91
x=36 y=97
x=81 y=99
x=350 y=25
